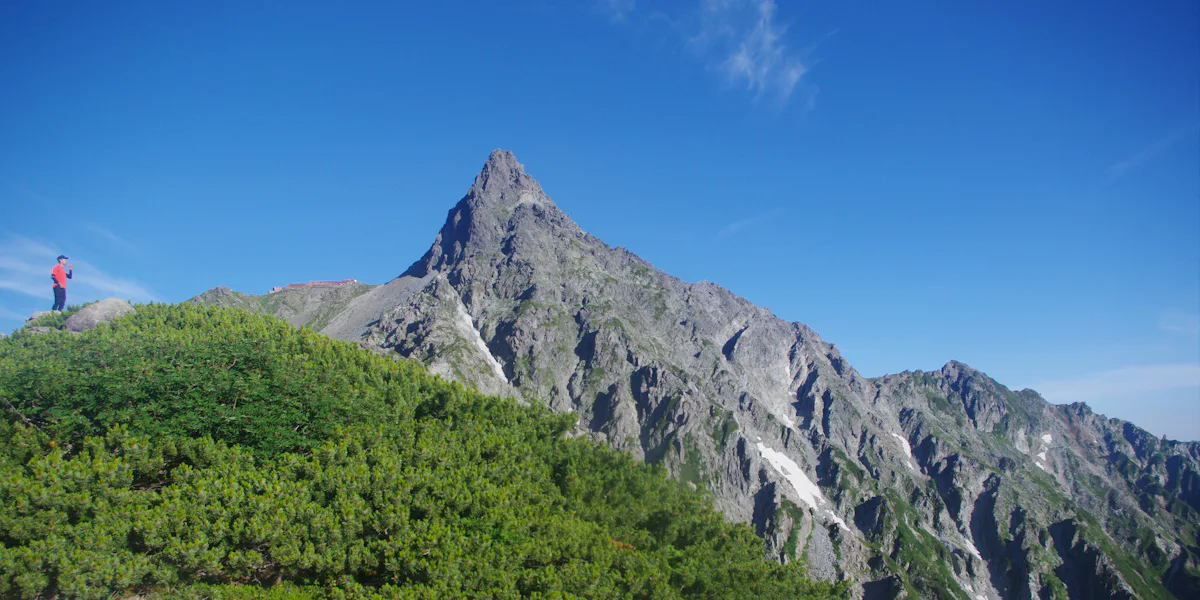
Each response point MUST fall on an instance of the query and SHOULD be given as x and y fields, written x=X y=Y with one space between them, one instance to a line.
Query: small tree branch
x=14 y=410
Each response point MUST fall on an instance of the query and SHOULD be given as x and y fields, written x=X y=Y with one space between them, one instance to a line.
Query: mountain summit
x=501 y=176
x=502 y=199
x=925 y=484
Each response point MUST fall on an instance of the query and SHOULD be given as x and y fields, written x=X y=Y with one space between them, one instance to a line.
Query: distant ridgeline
x=209 y=452
x=311 y=284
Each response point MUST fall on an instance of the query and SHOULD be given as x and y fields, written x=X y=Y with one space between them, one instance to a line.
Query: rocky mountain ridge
x=920 y=484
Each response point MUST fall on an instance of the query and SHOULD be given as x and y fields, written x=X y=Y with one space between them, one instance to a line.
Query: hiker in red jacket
x=59 y=276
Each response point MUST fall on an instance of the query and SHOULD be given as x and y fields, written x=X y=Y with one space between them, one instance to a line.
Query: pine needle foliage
x=195 y=451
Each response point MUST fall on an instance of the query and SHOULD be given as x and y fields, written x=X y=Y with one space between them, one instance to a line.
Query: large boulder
x=92 y=315
x=39 y=314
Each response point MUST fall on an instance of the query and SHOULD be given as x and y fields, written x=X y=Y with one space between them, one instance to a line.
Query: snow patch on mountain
x=467 y=327
x=808 y=491
x=907 y=450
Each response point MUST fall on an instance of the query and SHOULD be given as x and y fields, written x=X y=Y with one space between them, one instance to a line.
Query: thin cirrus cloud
x=741 y=40
x=747 y=223
x=1120 y=382
x=12 y=315
x=110 y=237
x=20 y=266
x=1152 y=151
x=1180 y=322
x=25 y=268
x=755 y=47
x=616 y=10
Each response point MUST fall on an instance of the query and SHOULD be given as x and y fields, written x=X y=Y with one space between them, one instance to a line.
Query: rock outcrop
x=39 y=314
x=920 y=484
x=96 y=313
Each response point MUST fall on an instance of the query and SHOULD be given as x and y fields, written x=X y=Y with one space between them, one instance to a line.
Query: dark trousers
x=60 y=298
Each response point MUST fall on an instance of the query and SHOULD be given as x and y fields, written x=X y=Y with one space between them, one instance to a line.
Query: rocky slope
x=942 y=484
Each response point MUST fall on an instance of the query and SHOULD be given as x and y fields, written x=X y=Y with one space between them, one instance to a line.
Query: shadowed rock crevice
x=1183 y=577
x=868 y=516
x=985 y=531
x=585 y=350
x=1005 y=561
x=731 y=345
x=1184 y=480
x=1085 y=570
x=603 y=408
x=883 y=589
x=764 y=509
x=806 y=401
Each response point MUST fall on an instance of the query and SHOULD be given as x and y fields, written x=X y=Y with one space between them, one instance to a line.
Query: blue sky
x=1014 y=186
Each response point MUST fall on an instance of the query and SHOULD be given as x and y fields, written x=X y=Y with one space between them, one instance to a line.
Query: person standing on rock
x=59 y=276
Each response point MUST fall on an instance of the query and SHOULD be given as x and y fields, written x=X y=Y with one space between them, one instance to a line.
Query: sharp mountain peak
x=503 y=201
x=503 y=182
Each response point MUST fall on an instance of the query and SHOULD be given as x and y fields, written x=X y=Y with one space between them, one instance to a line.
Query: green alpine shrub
x=191 y=451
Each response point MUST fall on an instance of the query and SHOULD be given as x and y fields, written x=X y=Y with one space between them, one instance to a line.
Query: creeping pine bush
x=190 y=451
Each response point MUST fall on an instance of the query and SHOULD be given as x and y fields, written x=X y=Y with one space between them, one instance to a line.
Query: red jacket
x=60 y=276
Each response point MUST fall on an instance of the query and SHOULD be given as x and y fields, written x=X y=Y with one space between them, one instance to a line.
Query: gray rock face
x=942 y=484
x=37 y=315
x=307 y=306
x=92 y=315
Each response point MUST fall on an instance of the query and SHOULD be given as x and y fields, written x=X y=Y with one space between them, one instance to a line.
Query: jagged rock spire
x=501 y=172
x=503 y=183
x=481 y=217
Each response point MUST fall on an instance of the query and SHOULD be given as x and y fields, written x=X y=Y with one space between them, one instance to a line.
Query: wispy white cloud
x=755 y=47
x=1181 y=322
x=747 y=223
x=17 y=246
x=25 y=268
x=12 y=315
x=24 y=287
x=115 y=286
x=110 y=237
x=21 y=269
x=1123 y=381
x=744 y=41
x=616 y=10
x=1164 y=143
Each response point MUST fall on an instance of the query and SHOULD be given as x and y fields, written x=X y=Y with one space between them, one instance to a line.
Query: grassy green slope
x=210 y=452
